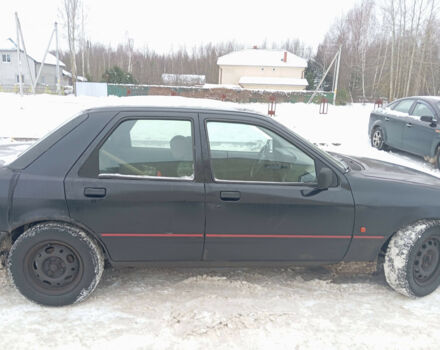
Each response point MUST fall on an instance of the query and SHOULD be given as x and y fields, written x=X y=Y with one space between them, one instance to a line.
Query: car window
x=422 y=110
x=157 y=148
x=244 y=152
x=404 y=106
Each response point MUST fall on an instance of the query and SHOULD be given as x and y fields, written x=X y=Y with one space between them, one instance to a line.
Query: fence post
x=323 y=106
x=272 y=106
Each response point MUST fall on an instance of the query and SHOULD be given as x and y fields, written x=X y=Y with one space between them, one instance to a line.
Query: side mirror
x=427 y=119
x=325 y=178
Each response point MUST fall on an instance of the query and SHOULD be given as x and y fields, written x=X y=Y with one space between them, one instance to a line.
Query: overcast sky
x=169 y=24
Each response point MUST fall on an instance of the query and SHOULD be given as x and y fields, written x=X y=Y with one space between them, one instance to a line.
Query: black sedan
x=409 y=124
x=208 y=187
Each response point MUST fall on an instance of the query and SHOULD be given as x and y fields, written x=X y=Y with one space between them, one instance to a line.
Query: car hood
x=378 y=169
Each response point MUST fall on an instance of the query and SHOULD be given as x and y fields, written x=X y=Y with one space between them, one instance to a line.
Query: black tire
x=437 y=158
x=55 y=264
x=412 y=261
x=377 y=139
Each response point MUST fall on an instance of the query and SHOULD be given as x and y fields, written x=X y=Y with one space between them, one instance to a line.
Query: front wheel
x=412 y=261
x=378 y=139
x=55 y=264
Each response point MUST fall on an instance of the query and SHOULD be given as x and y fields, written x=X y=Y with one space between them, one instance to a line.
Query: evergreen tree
x=116 y=75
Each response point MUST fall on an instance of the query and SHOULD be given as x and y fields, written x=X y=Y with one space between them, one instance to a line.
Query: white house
x=9 y=68
x=263 y=70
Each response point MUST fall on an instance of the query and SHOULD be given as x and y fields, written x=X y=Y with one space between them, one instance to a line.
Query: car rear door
x=261 y=202
x=138 y=188
x=395 y=120
x=418 y=136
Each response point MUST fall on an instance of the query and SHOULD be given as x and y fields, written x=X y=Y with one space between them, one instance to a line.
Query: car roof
x=187 y=109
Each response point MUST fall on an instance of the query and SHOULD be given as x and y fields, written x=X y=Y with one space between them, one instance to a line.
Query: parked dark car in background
x=408 y=124
x=133 y=185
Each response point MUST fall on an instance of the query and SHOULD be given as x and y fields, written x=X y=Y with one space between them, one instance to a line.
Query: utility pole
x=58 y=61
x=337 y=60
x=20 y=35
x=336 y=80
x=58 y=78
x=44 y=59
x=20 y=81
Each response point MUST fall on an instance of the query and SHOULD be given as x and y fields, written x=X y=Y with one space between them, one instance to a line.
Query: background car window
x=159 y=148
x=243 y=152
x=422 y=110
x=404 y=106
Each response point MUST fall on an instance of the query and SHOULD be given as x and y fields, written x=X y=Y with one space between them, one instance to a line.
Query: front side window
x=422 y=110
x=403 y=106
x=149 y=148
x=244 y=152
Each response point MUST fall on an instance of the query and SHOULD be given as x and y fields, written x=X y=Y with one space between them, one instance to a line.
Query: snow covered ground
x=331 y=307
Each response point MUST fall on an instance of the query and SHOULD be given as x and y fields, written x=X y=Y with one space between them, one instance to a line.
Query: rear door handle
x=230 y=196
x=95 y=192
x=387 y=119
x=409 y=125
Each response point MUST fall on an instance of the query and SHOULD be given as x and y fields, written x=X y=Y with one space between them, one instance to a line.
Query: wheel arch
x=435 y=147
x=18 y=230
x=384 y=247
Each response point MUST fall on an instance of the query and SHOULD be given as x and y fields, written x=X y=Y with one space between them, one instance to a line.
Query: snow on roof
x=273 y=81
x=260 y=57
x=9 y=45
x=78 y=78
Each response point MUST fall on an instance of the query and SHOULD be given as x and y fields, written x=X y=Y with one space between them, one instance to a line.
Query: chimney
x=285 y=57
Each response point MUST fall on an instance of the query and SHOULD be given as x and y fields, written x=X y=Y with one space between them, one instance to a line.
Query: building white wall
x=8 y=70
x=231 y=74
x=273 y=87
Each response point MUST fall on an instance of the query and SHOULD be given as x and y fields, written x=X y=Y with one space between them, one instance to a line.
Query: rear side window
x=42 y=145
x=404 y=106
x=422 y=110
x=149 y=148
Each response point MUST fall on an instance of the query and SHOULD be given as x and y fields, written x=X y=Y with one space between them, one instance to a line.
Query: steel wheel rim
x=377 y=138
x=53 y=267
x=426 y=265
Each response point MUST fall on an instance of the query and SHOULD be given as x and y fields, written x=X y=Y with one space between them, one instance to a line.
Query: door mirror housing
x=325 y=178
x=427 y=119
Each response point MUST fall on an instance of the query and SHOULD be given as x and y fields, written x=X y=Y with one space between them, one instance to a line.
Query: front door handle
x=230 y=196
x=387 y=119
x=95 y=192
x=409 y=125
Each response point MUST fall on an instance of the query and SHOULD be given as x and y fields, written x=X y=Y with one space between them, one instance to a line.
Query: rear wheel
x=437 y=158
x=412 y=261
x=55 y=264
x=378 y=139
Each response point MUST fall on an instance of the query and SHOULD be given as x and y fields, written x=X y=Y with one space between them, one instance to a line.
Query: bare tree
x=71 y=15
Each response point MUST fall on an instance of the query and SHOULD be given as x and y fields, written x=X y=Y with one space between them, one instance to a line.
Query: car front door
x=418 y=135
x=395 y=122
x=138 y=188
x=261 y=198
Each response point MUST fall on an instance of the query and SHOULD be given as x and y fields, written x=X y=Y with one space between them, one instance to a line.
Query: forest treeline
x=390 y=49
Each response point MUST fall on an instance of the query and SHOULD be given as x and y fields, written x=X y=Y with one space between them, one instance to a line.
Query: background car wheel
x=378 y=139
x=412 y=261
x=437 y=158
x=55 y=264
